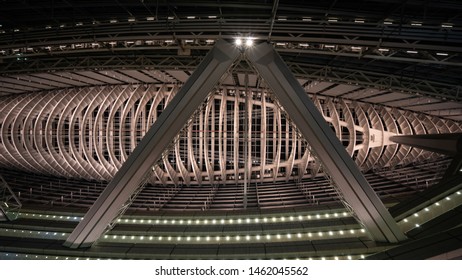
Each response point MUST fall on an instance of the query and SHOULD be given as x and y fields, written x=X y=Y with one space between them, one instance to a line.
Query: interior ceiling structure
x=74 y=73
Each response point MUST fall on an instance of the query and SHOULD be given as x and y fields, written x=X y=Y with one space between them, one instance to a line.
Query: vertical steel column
x=349 y=180
x=128 y=179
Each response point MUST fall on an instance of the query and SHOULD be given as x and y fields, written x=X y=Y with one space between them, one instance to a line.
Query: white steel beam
x=128 y=179
x=349 y=180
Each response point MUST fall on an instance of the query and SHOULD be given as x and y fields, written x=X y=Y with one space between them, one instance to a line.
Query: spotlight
x=238 y=42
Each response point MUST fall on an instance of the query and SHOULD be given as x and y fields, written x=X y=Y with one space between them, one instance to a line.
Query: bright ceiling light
x=238 y=41
x=249 y=42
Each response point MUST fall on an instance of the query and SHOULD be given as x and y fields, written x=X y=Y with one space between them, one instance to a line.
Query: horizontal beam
x=445 y=143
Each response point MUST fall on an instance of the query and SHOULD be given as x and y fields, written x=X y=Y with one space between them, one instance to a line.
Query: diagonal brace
x=348 y=179
x=153 y=144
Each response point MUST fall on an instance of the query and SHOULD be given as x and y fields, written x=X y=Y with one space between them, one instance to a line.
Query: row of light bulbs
x=420 y=217
x=210 y=221
x=9 y=255
x=196 y=239
x=239 y=238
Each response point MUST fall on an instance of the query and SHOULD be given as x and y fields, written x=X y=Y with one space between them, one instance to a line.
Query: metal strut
x=354 y=188
x=151 y=147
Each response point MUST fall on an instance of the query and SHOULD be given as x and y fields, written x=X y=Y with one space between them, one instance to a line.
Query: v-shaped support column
x=128 y=179
x=348 y=179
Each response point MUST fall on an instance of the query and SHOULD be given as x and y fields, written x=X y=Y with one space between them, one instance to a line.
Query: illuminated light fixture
x=169 y=238
x=206 y=221
x=345 y=214
x=323 y=258
x=178 y=238
x=211 y=17
x=168 y=41
x=48 y=27
x=217 y=238
x=197 y=222
x=300 y=218
x=113 y=21
x=150 y=18
x=332 y=19
x=170 y=17
x=363 y=230
x=165 y=221
x=306 y=19
x=207 y=238
x=238 y=42
x=320 y=234
x=141 y=237
x=131 y=19
x=278 y=236
x=458 y=192
x=417 y=225
x=327 y=215
x=335 y=214
x=291 y=218
x=150 y=238
x=274 y=219
x=238 y=238
x=447 y=25
x=437 y=204
x=341 y=232
x=133 y=237
x=231 y=221
x=257 y=237
x=265 y=220
x=412 y=51
x=331 y=233
x=359 y=20
x=416 y=23
x=356 y=48
x=283 y=219
x=222 y=221
x=416 y=215
x=181 y=222
x=318 y=216
x=308 y=217
x=309 y=234
x=405 y=220
x=188 y=238
x=249 y=42
x=79 y=24
x=214 y=221
x=227 y=238
x=159 y=238
x=282 y=18
x=239 y=220
x=247 y=220
x=442 y=54
x=299 y=235
x=388 y=21
x=268 y=237
x=448 y=198
x=426 y=209
x=289 y=236
x=190 y=17
x=257 y=220
x=189 y=222
x=352 y=231
x=384 y=50
x=349 y=257
x=247 y=238
x=336 y=258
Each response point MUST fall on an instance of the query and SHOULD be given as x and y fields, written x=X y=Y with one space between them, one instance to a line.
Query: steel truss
x=368 y=207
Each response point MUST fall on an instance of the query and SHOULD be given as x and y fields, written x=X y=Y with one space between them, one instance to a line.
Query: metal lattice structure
x=89 y=132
